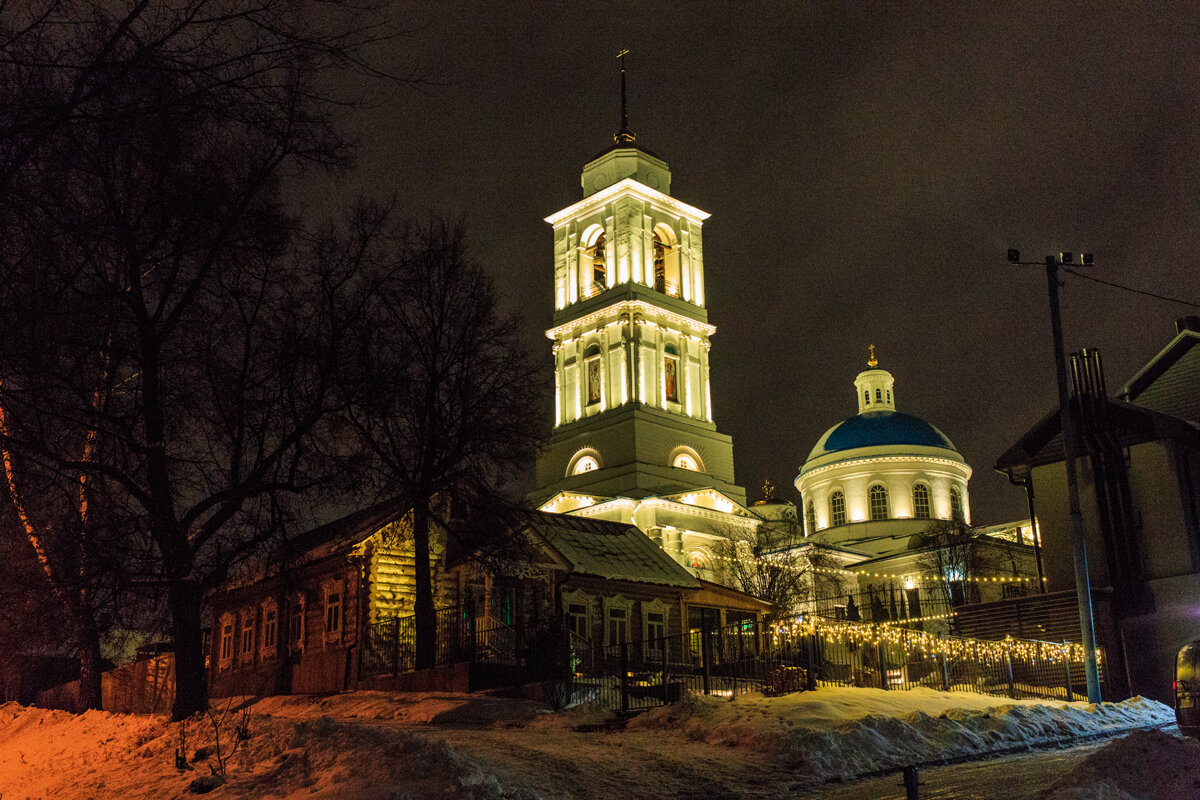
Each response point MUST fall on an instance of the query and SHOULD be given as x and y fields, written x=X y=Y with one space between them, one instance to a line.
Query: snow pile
x=475 y=747
x=1145 y=765
x=46 y=754
x=837 y=734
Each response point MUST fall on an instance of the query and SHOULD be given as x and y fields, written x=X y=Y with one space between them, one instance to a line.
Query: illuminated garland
x=926 y=644
x=914 y=576
x=930 y=618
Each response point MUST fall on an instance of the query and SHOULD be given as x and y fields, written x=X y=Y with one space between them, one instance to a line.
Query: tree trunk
x=426 y=621
x=191 y=690
x=90 y=674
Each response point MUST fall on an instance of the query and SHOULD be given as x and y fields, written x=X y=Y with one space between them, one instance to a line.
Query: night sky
x=866 y=167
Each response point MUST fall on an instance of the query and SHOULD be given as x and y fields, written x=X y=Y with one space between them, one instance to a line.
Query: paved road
x=1015 y=777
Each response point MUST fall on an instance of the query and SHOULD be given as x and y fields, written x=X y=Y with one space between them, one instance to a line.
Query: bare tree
x=447 y=398
x=773 y=563
x=958 y=554
x=170 y=340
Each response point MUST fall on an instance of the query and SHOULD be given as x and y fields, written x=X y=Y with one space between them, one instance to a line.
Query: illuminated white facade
x=876 y=479
x=632 y=402
x=634 y=438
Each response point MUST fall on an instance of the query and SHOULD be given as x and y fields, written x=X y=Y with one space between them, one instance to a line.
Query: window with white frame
x=248 y=628
x=921 y=501
x=616 y=620
x=577 y=607
x=956 y=504
x=810 y=518
x=654 y=625
x=226 y=652
x=270 y=625
x=878 y=501
x=837 y=509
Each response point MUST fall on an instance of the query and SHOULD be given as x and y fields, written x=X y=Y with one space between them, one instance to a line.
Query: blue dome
x=875 y=428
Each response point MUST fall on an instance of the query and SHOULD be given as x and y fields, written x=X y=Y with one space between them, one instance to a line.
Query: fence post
x=395 y=647
x=662 y=648
x=1012 y=689
x=945 y=667
x=624 y=676
x=705 y=656
x=1067 y=662
x=881 y=653
x=471 y=637
x=810 y=660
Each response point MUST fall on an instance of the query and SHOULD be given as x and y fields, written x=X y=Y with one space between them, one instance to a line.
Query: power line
x=1130 y=288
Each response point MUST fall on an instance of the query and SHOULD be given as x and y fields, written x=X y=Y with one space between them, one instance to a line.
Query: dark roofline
x=355 y=527
x=1165 y=359
x=1038 y=446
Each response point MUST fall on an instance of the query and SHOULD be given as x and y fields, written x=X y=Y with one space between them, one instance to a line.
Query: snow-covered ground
x=385 y=745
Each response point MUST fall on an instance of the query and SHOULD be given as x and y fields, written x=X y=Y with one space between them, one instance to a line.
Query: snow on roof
x=611 y=550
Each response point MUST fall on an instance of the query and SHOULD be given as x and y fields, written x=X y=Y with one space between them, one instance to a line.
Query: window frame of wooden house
x=297 y=606
x=248 y=635
x=622 y=620
x=579 y=600
x=225 y=654
x=652 y=640
x=333 y=608
x=270 y=628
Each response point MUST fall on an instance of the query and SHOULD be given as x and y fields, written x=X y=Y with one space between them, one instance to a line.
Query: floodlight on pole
x=1083 y=589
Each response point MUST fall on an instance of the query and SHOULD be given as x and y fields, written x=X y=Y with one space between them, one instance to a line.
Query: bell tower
x=633 y=410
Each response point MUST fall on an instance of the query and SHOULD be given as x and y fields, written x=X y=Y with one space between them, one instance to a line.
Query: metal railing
x=794 y=654
x=777 y=656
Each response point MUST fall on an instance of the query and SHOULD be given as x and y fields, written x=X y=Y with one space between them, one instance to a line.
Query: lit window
x=877 y=498
x=837 y=509
x=684 y=461
x=586 y=464
x=921 y=501
x=810 y=518
x=956 y=504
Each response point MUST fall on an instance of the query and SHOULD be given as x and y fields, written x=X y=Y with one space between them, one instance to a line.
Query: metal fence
x=890 y=603
x=783 y=655
x=796 y=654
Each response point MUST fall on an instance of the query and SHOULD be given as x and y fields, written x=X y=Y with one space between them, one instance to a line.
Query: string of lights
x=913 y=576
x=926 y=644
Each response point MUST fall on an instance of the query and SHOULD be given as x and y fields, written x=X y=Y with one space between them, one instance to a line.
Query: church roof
x=875 y=428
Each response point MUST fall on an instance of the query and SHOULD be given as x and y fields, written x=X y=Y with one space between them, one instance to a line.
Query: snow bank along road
x=383 y=745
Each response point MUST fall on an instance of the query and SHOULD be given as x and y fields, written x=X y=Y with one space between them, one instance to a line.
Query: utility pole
x=1083 y=589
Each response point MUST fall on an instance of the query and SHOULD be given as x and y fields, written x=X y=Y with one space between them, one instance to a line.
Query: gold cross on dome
x=872 y=361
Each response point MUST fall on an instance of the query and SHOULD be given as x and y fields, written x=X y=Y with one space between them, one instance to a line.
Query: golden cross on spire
x=872 y=362
x=623 y=136
x=767 y=488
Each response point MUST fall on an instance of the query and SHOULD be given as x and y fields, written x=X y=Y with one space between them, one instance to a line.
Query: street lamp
x=1083 y=591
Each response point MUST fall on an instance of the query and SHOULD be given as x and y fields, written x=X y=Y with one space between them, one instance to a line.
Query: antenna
x=624 y=135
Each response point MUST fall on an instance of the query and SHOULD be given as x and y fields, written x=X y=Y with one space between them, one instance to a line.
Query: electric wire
x=1130 y=288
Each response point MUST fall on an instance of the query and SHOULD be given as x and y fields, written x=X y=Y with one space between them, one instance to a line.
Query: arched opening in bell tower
x=593 y=262
x=666 y=260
